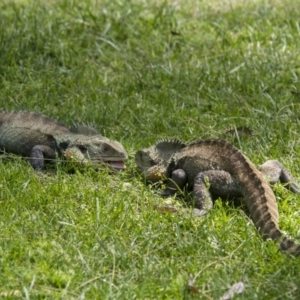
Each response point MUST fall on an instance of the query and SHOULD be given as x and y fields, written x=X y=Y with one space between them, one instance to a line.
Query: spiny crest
x=83 y=129
x=165 y=149
x=210 y=141
x=215 y=142
x=169 y=145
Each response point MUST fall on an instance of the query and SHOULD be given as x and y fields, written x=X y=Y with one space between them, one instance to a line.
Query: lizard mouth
x=111 y=162
x=118 y=165
x=114 y=166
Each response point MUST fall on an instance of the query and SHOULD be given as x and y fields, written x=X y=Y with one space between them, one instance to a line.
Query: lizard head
x=94 y=149
x=153 y=162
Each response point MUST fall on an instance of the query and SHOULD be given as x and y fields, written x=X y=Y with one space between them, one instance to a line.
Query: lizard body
x=39 y=137
x=216 y=167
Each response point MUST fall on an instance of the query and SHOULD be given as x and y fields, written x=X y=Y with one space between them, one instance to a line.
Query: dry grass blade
x=236 y=288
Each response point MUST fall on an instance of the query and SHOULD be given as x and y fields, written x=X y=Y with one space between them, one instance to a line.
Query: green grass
x=139 y=71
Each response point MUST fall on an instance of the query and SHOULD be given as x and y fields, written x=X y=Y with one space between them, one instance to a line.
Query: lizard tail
x=289 y=246
x=270 y=230
x=285 y=244
x=261 y=202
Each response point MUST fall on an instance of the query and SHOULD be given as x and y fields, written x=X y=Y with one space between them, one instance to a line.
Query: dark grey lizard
x=40 y=138
x=216 y=167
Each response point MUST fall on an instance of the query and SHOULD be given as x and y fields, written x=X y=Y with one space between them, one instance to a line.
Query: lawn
x=140 y=71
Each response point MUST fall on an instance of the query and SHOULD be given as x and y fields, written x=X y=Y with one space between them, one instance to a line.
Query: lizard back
x=21 y=130
x=258 y=195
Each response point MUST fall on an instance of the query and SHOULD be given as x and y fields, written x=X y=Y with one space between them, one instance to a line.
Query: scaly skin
x=41 y=138
x=216 y=167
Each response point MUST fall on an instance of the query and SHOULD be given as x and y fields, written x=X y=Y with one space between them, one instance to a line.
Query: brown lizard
x=216 y=167
x=40 y=138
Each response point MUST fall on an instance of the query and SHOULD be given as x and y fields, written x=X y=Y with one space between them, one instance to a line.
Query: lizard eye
x=105 y=148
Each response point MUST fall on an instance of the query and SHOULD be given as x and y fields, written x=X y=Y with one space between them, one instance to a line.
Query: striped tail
x=261 y=202
x=288 y=246
x=258 y=195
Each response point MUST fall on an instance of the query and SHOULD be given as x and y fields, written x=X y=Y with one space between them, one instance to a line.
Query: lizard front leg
x=274 y=171
x=206 y=183
x=38 y=154
x=175 y=183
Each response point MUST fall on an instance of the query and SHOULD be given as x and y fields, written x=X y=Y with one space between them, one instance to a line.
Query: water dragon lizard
x=41 y=138
x=215 y=167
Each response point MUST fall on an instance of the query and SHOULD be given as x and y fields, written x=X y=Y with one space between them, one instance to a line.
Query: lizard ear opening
x=83 y=149
x=63 y=145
